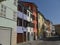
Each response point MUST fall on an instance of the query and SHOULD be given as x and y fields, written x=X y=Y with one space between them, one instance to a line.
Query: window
x=14 y=16
x=20 y=8
x=33 y=17
x=28 y=24
x=38 y=25
x=15 y=2
x=25 y=23
x=19 y=22
x=3 y=11
x=28 y=35
x=38 y=17
x=27 y=13
x=32 y=25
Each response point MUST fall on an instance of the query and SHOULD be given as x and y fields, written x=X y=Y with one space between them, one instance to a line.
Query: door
x=24 y=36
x=28 y=35
x=5 y=36
x=31 y=36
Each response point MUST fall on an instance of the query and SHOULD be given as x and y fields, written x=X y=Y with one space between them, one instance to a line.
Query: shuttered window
x=3 y=11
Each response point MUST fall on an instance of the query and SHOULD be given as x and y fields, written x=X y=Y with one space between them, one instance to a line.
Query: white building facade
x=24 y=24
x=8 y=18
x=30 y=33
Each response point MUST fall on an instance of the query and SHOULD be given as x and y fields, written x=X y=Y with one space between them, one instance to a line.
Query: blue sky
x=49 y=8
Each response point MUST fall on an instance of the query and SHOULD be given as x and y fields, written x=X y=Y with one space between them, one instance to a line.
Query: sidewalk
x=36 y=42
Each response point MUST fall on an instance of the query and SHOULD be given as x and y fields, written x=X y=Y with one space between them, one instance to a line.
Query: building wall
x=8 y=19
x=57 y=29
x=48 y=28
x=25 y=15
x=33 y=8
x=40 y=24
x=30 y=31
x=53 y=30
x=21 y=36
x=29 y=18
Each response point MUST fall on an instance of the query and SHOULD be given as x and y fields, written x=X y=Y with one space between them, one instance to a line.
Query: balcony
x=29 y=29
x=21 y=15
x=28 y=18
x=24 y=16
x=21 y=29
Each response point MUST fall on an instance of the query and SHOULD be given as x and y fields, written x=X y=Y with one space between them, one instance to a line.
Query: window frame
x=3 y=11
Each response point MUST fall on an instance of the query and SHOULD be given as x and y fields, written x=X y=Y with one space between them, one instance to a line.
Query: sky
x=49 y=8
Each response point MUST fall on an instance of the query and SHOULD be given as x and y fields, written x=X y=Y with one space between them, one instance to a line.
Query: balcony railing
x=29 y=29
x=21 y=15
x=21 y=29
x=24 y=16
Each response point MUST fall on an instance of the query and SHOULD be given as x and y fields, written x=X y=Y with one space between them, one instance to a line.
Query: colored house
x=57 y=29
x=48 y=28
x=8 y=21
x=41 y=19
x=33 y=8
x=24 y=24
x=52 y=29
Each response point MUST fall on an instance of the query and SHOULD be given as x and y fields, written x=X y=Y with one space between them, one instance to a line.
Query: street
x=49 y=43
x=41 y=43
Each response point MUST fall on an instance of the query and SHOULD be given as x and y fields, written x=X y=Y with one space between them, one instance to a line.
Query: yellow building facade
x=40 y=24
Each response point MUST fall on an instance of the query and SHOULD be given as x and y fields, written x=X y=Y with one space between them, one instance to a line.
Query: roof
x=20 y=3
x=57 y=25
x=28 y=2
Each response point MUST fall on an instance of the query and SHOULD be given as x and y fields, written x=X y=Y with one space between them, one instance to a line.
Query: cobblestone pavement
x=41 y=43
